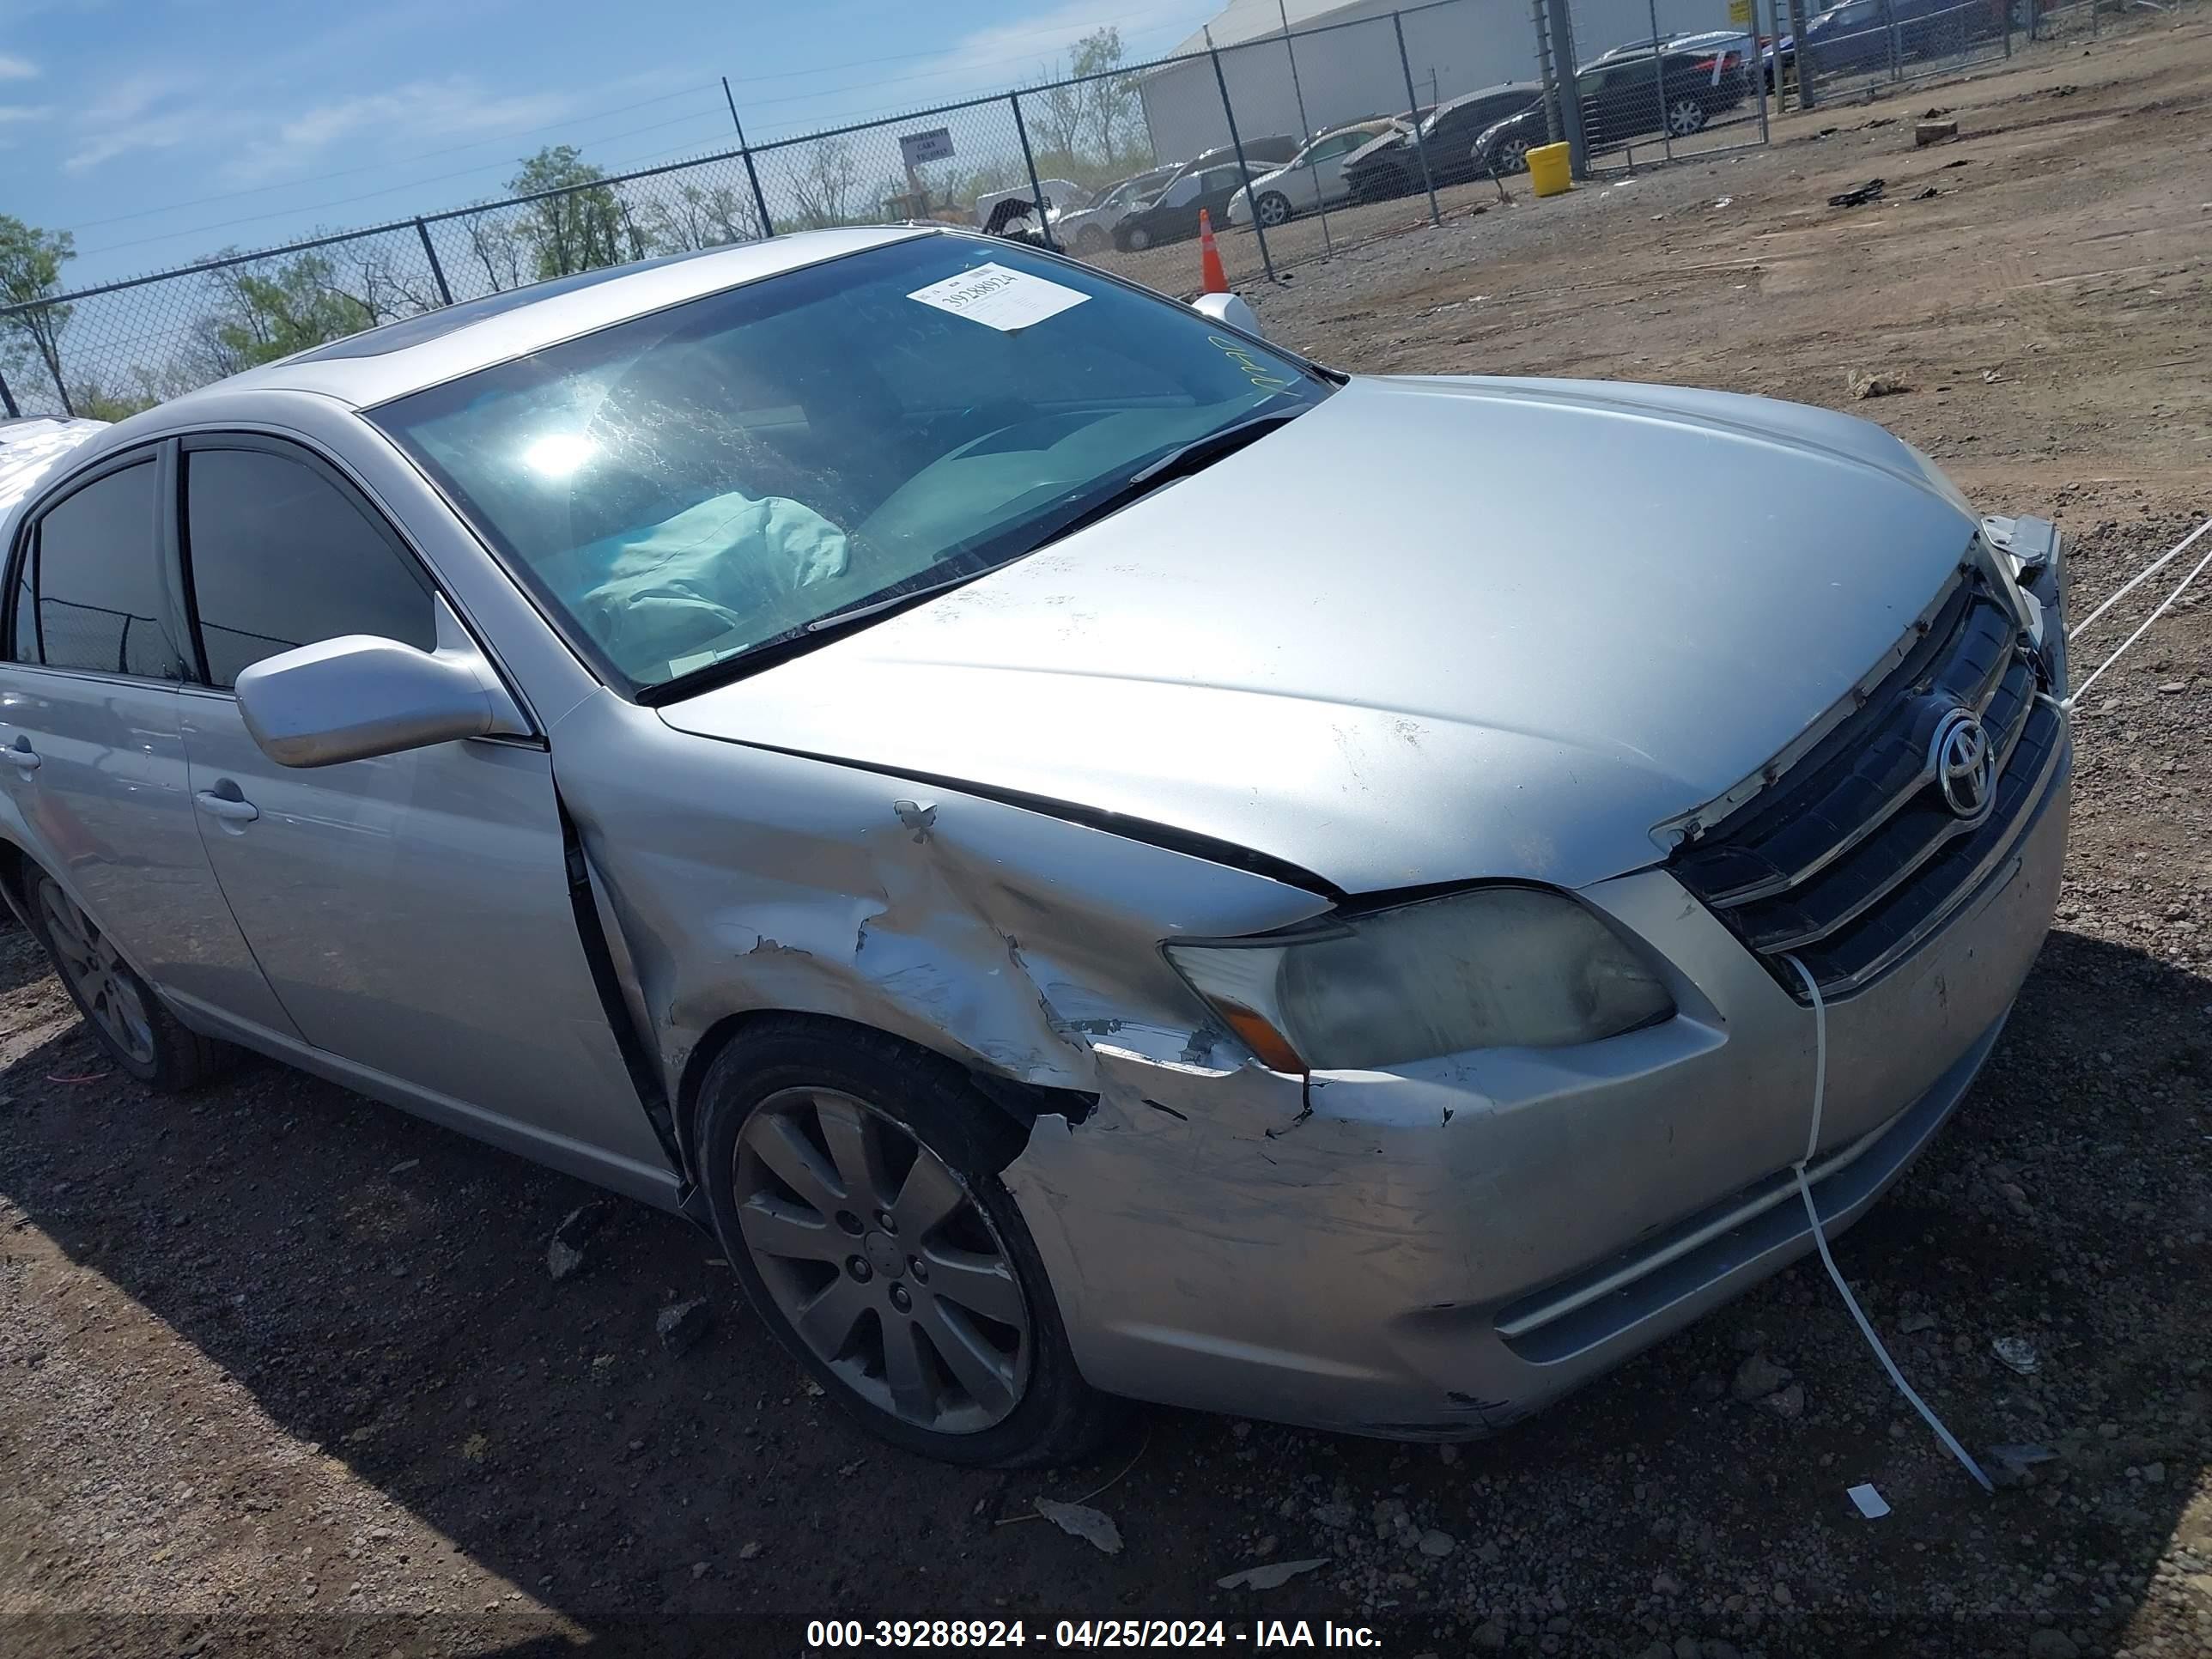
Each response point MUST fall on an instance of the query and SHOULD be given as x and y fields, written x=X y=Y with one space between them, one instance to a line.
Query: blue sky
x=162 y=130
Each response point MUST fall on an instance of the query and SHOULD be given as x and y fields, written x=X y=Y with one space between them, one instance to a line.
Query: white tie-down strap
x=2073 y=697
x=1820 y=1238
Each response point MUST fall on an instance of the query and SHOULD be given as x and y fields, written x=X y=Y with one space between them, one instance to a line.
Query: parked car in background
x=1268 y=150
x=627 y=719
x=1390 y=164
x=995 y=210
x=1624 y=97
x=1870 y=35
x=1090 y=229
x=1172 y=216
x=1311 y=180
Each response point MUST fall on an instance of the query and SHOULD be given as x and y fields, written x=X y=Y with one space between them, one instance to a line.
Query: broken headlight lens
x=1493 y=967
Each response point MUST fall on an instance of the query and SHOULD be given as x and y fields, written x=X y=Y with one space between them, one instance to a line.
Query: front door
x=411 y=911
x=95 y=772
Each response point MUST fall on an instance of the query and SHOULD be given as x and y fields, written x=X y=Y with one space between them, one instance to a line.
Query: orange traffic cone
x=1212 y=278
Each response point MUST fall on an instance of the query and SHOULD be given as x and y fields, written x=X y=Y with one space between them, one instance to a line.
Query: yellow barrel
x=1548 y=170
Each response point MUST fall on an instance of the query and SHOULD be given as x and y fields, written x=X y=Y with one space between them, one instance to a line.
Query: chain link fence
x=1845 y=50
x=1662 y=80
x=1293 y=141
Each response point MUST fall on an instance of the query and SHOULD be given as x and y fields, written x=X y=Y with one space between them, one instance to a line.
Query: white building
x=1347 y=66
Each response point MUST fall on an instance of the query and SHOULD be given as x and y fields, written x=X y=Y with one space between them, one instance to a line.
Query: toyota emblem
x=1964 y=763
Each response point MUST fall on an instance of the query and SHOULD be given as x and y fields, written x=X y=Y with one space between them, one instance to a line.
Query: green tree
x=1093 y=129
x=265 y=314
x=580 y=229
x=31 y=261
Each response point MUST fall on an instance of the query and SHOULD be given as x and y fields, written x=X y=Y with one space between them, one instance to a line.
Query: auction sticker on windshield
x=1000 y=297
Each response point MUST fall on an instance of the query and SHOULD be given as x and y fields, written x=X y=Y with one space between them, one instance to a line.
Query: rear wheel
x=853 y=1184
x=126 y=1018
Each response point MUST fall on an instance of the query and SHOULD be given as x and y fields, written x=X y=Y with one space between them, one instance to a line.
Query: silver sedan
x=1101 y=858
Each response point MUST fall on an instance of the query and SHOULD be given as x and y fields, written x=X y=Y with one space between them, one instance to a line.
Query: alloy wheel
x=1685 y=116
x=882 y=1261
x=1513 y=154
x=98 y=975
x=1274 y=209
x=1140 y=239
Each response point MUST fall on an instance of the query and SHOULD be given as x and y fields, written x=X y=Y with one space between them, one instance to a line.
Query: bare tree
x=824 y=186
x=495 y=249
x=678 y=218
x=377 y=277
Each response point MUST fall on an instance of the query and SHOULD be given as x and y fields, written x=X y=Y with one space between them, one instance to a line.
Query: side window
x=1183 y=191
x=89 y=594
x=278 y=557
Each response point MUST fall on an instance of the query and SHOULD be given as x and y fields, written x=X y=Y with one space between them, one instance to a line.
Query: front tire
x=125 y=1018
x=1686 y=116
x=852 y=1181
x=1513 y=155
x=1272 y=209
x=1090 y=240
x=1137 y=239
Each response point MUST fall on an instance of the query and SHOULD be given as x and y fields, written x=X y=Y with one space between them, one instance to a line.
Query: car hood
x=1433 y=630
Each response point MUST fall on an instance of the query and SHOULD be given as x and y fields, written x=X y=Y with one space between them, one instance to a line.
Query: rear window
x=89 y=592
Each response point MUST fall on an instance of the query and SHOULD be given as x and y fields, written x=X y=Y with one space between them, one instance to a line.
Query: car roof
x=1532 y=89
x=379 y=364
x=1689 y=40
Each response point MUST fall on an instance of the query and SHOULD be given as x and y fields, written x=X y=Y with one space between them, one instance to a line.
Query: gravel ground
x=286 y=1372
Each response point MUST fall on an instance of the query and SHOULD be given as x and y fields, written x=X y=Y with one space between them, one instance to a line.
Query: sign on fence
x=935 y=145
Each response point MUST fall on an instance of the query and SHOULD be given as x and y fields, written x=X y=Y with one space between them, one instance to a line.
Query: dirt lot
x=286 y=1372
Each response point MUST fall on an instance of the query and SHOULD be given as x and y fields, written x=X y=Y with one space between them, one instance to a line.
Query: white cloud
x=24 y=112
x=16 y=69
x=404 y=116
x=141 y=111
x=453 y=108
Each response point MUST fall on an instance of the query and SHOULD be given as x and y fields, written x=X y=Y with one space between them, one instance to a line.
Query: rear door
x=413 y=911
x=1328 y=159
x=1215 y=186
x=95 y=772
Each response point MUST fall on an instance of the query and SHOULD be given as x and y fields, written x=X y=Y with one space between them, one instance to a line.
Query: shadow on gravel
x=380 y=1286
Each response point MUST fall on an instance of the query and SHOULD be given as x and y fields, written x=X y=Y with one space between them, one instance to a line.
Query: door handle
x=225 y=807
x=23 y=760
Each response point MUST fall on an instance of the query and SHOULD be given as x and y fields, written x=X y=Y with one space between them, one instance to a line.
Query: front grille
x=1851 y=856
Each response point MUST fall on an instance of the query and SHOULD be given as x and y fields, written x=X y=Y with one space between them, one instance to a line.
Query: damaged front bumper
x=1435 y=1250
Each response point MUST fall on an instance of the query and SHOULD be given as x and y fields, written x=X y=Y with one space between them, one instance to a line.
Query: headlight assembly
x=1492 y=967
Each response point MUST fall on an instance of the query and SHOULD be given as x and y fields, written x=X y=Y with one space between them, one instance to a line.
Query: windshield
x=695 y=485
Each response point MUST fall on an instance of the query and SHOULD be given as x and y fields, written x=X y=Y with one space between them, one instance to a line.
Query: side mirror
x=1230 y=309
x=357 y=697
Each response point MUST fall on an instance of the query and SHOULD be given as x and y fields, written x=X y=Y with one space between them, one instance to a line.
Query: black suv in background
x=1390 y=165
x=1624 y=97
